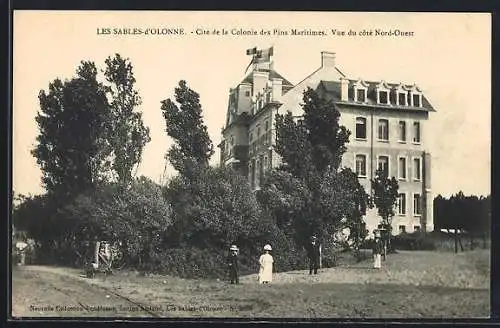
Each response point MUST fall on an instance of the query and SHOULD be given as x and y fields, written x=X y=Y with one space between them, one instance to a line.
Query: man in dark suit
x=313 y=253
x=232 y=262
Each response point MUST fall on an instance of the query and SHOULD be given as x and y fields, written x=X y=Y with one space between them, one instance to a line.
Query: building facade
x=387 y=123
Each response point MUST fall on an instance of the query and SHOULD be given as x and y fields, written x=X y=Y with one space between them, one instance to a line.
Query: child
x=232 y=262
x=378 y=249
x=266 y=266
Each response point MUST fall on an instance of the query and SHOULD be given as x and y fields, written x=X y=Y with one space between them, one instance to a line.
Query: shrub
x=136 y=215
x=413 y=241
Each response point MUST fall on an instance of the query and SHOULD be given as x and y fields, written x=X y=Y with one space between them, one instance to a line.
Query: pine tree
x=184 y=123
x=129 y=133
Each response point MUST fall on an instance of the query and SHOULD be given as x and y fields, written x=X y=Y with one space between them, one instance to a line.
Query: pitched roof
x=272 y=75
x=334 y=89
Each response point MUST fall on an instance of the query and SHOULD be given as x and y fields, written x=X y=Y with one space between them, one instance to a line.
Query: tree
x=327 y=137
x=129 y=133
x=325 y=199
x=72 y=147
x=385 y=194
x=184 y=123
x=216 y=208
x=293 y=146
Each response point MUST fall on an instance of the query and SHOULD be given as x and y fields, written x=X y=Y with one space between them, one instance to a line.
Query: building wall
x=262 y=157
x=393 y=148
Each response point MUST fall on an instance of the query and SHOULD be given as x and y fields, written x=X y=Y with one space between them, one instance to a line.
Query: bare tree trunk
x=96 y=252
x=456 y=240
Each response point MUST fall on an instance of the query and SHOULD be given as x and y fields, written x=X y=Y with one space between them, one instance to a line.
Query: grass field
x=410 y=285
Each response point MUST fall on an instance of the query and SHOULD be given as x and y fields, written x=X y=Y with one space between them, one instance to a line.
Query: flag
x=263 y=56
x=252 y=51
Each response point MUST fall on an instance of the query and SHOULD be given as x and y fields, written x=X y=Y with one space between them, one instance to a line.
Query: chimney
x=344 y=89
x=327 y=59
x=277 y=89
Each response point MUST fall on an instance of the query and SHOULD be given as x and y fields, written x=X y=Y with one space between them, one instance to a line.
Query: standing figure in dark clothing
x=313 y=252
x=232 y=263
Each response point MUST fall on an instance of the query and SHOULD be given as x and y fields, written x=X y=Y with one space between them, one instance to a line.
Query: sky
x=448 y=55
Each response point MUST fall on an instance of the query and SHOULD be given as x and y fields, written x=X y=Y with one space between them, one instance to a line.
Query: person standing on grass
x=266 y=266
x=313 y=252
x=378 y=249
x=232 y=263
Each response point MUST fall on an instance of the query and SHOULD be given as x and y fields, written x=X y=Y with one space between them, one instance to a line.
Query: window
x=247 y=93
x=360 y=128
x=402 y=168
x=361 y=165
x=402 y=229
x=402 y=99
x=232 y=140
x=382 y=97
x=417 y=170
x=361 y=94
x=258 y=132
x=250 y=138
x=416 y=100
x=417 y=204
x=383 y=164
x=416 y=132
x=402 y=204
x=264 y=164
x=383 y=129
x=267 y=126
x=416 y=228
x=350 y=93
x=402 y=131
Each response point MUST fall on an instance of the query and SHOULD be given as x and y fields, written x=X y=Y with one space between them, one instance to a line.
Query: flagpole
x=251 y=62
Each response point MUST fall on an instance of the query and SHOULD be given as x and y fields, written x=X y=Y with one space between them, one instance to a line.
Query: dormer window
x=415 y=97
x=361 y=95
x=382 y=97
x=401 y=99
x=360 y=89
x=402 y=95
x=416 y=100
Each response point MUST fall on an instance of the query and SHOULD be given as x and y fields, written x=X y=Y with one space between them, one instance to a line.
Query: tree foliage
x=470 y=213
x=325 y=134
x=73 y=146
x=129 y=133
x=136 y=215
x=214 y=209
x=184 y=123
x=309 y=192
x=385 y=194
x=88 y=129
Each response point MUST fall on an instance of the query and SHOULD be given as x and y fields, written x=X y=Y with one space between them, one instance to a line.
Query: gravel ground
x=417 y=268
x=410 y=285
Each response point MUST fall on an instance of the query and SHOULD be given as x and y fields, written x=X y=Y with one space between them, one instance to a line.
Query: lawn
x=410 y=285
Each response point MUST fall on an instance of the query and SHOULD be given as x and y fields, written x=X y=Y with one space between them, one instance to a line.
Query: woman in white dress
x=266 y=266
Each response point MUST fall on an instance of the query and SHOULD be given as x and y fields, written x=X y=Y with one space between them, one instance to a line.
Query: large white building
x=386 y=120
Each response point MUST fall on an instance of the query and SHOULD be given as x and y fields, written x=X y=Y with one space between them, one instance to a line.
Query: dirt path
x=455 y=285
x=55 y=291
